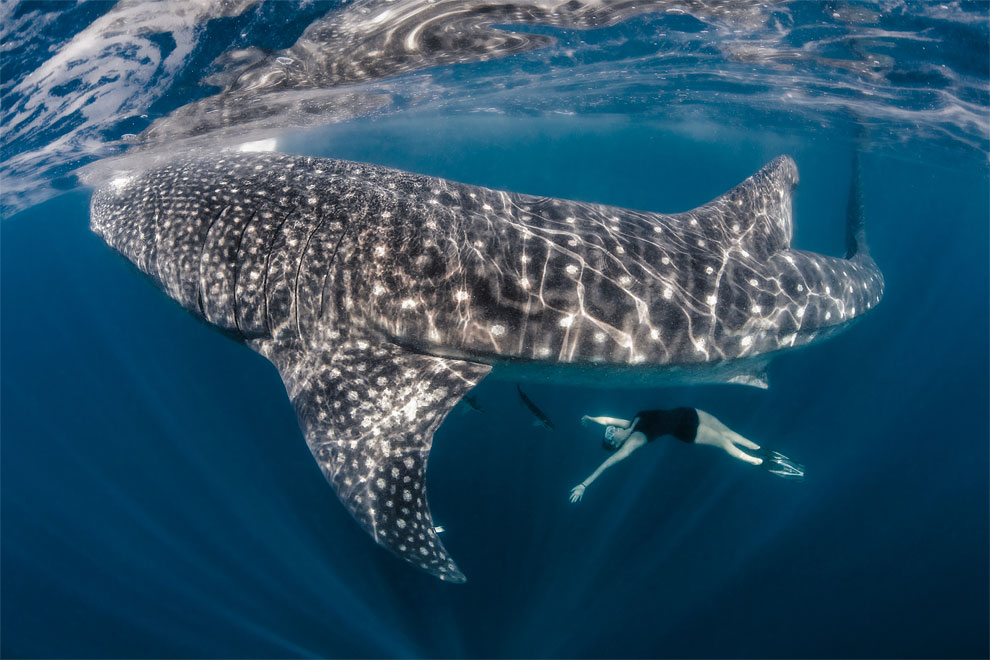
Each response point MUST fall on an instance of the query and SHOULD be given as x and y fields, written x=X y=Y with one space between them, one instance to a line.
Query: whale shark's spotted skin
x=384 y=296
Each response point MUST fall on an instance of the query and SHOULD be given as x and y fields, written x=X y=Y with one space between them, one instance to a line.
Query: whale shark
x=383 y=297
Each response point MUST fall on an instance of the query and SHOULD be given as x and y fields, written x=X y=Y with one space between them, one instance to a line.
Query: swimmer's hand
x=577 y=493
x=584 y=420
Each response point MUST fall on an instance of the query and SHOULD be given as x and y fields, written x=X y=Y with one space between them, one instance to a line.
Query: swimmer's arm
x=631 y=445
x=606 y=421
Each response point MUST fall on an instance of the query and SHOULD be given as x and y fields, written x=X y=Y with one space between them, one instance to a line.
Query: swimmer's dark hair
x=608 y=446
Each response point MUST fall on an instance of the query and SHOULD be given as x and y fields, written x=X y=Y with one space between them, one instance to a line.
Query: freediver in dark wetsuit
x=687 y=425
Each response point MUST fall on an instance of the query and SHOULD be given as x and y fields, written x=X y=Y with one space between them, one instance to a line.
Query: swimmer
x=687 y=425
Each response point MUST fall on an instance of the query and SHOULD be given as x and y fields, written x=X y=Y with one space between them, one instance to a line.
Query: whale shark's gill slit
x=156 y=243
x=237 y=272
x=202 y=254
x=268 y=258
x=333 y=257
x=302 y=259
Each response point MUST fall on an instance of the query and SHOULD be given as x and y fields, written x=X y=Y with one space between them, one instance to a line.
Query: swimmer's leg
x=744 y=442
x=715 y=433
x=736 y=452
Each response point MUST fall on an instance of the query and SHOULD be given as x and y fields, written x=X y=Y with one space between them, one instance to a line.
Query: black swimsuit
x=682 y=423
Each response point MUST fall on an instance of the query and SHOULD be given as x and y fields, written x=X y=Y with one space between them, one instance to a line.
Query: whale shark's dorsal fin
x=368 y=411
x=757 y=212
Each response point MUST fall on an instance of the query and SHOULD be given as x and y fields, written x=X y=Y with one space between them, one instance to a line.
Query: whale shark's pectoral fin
x=754 y=374
x=758 y=380
x=368 y=411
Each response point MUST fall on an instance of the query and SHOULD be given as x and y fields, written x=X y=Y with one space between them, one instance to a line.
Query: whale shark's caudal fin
x=368 y=411
x=758 y=210
x=855 y=219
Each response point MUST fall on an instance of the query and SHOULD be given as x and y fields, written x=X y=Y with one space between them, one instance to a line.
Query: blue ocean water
x=157 y=497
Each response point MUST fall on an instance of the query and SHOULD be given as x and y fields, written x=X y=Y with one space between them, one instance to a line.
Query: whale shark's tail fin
x=855 y=219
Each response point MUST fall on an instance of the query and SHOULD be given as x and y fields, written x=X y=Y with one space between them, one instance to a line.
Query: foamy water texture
x=140 y=77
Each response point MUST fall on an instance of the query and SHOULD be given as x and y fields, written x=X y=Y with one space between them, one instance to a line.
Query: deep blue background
x=158 y=498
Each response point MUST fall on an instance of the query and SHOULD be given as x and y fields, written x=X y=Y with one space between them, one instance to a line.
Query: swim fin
x=776 y=463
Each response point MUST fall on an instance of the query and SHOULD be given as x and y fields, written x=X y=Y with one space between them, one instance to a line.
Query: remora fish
x=541 y=418
x=471 y=401
x=383 y=297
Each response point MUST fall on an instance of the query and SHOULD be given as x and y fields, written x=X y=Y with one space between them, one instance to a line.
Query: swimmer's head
x=611 y=441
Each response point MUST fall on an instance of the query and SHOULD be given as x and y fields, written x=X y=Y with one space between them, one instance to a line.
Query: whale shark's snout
x=383 y=297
